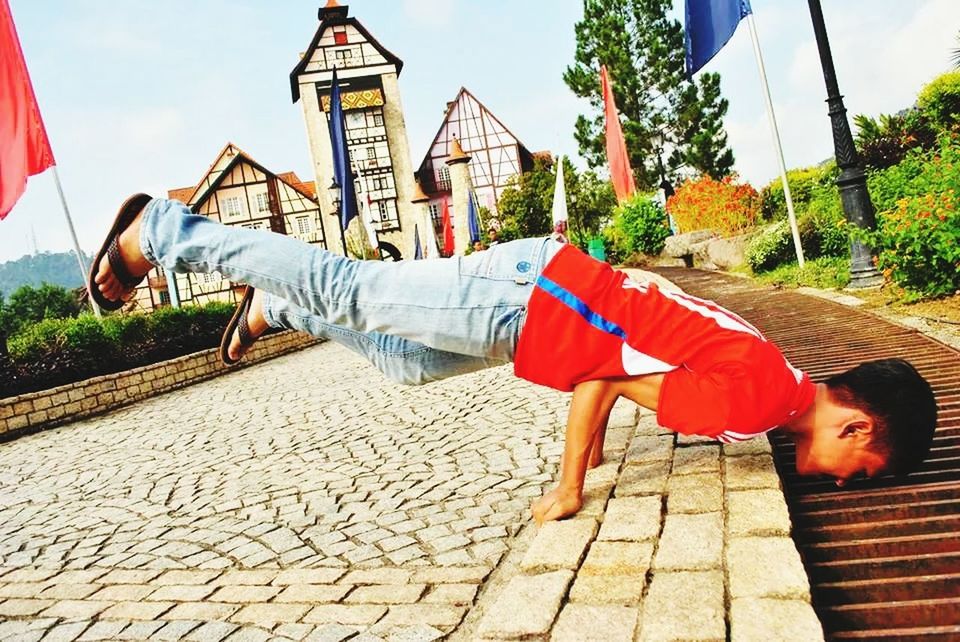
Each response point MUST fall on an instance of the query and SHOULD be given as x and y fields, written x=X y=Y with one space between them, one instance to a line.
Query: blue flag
x=342 y=171
x=417 y=250
x=710 y=24
x=473 y=218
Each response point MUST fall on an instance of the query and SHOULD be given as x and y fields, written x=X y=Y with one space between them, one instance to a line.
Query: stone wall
x=47 y=408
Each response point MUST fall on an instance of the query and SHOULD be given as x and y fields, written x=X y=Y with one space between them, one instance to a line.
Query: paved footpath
x=309 y=498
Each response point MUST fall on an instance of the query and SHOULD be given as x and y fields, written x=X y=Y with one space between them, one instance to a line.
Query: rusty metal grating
x=883 y=556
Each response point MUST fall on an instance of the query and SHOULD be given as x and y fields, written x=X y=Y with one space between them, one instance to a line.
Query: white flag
x=559 y=197
x=430 y=248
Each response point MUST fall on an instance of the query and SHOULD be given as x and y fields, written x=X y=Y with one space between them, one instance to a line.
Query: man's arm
x=589 y=410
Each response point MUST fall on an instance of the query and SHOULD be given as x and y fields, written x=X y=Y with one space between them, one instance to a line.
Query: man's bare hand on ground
x=556 y=504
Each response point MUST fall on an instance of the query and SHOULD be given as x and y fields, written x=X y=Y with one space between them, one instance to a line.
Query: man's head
x=877 y=418
x=493 y=234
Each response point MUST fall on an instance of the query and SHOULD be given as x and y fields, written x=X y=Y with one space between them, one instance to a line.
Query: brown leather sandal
x=238 y=323
x=111 y=249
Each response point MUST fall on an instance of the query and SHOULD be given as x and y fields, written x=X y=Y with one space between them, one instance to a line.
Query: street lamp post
x=334 y=192
x=852 y=182
x=657 y=139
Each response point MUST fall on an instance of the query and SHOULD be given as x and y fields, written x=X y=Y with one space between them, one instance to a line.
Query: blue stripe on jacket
x=573 y=302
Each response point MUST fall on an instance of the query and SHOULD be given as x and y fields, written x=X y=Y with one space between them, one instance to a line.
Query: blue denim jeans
x=417 y=321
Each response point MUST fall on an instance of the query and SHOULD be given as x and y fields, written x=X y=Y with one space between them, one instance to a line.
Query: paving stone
x=184 y=577
x=757 y=512
x=644 y=449
x=434 y=615
x=756 y=446
x=760 y=620
x=212 y=631
x=527 y=606
x=136 y=610
x=631 y=519
x=608 y=589
x=20 y=607
x=751 y=471
x=175 y=630
x=69 y=591
x=122 y=592
x=201 y=611
x=76 y=609
x=558 y=545
x=309 y=576
x=313 y=593
x=684 y=605
x=694 y=494
x=450 y=575
x=140 y=630
x=643 y=479
x=331 y=633
x=345 y=613
x=765 y=567
x=125 y=576
x=386 y=594
x=189 y=593
x=691 y=542
x=416 y=633
x=103 y=630
x=244 y=594
x=238 y=577
x=28 y=575
x=23 y=589
x=693 y=460
x=67 y=632
x=268 y=615
x=617 y=558
x=454 y=594
x=249 y=634
x=378 y=576
x=586 y=623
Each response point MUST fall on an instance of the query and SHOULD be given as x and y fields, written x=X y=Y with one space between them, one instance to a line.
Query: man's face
x=839 y=451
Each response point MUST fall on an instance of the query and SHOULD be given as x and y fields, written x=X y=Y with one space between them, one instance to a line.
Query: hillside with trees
x=55 y=268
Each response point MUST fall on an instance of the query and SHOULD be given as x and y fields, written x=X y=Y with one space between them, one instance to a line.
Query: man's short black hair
x=901 y=404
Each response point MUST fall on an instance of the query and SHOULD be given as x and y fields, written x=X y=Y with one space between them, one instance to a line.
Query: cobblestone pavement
x=305 y=498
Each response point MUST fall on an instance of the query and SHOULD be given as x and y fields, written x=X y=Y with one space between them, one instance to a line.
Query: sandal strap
x=118 y=267
x=243 y=329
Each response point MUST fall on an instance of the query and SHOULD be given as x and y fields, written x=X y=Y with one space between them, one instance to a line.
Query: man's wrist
x=570 y=485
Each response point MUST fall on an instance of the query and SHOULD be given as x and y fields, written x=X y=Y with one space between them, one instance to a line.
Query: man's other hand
x=556 y=504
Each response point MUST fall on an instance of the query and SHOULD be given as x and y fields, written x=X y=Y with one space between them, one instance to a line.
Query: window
x=232 y=207
x=435 y=212
x=378 y=120
x=164 y=297
x=340 y=35
x=303 y=225
x=371 y=152
x=263 y=202
x=343 y=55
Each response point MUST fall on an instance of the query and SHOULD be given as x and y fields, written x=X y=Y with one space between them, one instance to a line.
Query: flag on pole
x=620 y=173
x=447 y=230
x=430 y=250
x=559 y=197
x=24 y=146
x=473 y=217
x=342 y=171
x=417 y=250
x=709 y=25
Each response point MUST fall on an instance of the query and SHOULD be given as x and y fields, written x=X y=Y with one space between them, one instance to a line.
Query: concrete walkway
x=308 y=498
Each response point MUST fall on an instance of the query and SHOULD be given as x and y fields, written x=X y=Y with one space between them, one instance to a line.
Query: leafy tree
x=30 y=305
x=643 y=51
x=527 y=203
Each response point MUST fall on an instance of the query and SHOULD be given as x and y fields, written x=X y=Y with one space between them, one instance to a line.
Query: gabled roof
x=329 y=16
x=446 y=117
x=191 y=195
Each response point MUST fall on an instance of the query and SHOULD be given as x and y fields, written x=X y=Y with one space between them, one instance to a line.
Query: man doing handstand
x=563 y=318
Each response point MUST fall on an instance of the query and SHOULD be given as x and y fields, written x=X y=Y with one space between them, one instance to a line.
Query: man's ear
x=860 y=425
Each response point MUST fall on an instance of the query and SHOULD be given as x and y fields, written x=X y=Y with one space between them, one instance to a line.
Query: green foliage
x=822 y=273
x=771 y=247
x=29 y=305
x=939 y=100
x=526 y=204
x=643 y=51
x=55 y=351
x=639 y=225
x=884 y=142
x=773 y=204
x=824 y=233
x=918 y=236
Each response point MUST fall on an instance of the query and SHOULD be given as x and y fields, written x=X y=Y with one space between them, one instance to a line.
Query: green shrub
x=803 y=183
x=771 y=247
x=823 y=273
x=885 y=142
x=823 y=228
x=939 y=100
x=918 y=236
x=639 y=225
x=29 y=305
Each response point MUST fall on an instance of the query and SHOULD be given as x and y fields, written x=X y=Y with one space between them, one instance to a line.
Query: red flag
x=447 y=231
x=617 y=157
x=24 y=147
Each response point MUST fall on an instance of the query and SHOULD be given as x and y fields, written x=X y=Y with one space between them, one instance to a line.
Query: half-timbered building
x=376 y=133
x=237 y=190
x=496 y=155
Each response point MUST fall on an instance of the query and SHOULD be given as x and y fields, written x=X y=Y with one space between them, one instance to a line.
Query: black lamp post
x=334 y=192
x=852 y=182
x=657 y=139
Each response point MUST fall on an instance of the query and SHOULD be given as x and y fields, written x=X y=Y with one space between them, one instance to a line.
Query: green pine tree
x=644 y=54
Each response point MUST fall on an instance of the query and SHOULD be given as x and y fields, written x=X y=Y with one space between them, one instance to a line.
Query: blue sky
x=140 y=96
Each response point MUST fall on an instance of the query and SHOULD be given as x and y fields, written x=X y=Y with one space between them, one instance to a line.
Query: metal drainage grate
x=883 y=556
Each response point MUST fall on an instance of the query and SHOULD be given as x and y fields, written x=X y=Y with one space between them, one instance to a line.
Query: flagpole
x=76 y=243
x=795 y=231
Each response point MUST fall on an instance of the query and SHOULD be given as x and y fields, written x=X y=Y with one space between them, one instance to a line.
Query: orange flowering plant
x=725 y=206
